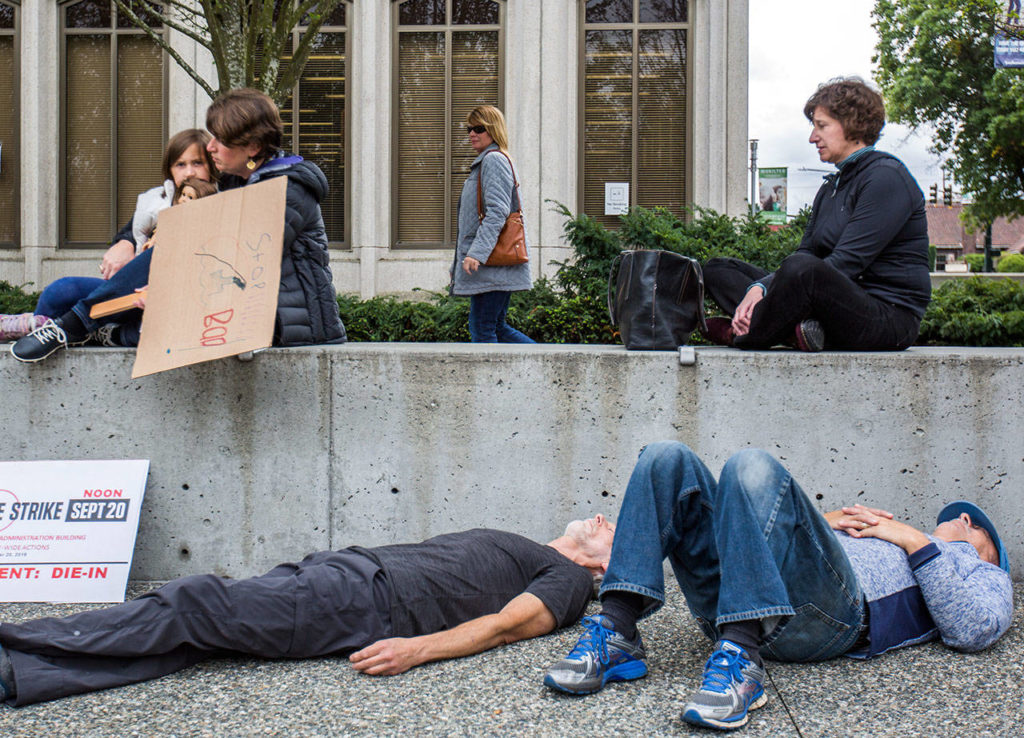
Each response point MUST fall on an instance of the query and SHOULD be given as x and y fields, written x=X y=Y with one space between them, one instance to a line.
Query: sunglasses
x=476 y=129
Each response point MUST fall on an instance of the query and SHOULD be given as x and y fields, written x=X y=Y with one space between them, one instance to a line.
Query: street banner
x=1008 y=40
x=214 y=278
x=67 y=529
x=772 y=194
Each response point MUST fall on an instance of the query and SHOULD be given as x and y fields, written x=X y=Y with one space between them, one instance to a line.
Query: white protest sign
x=67 y=529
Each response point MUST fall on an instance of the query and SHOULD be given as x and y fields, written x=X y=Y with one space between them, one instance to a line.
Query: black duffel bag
x=655 y=298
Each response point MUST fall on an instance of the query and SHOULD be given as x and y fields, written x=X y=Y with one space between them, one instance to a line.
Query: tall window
x=635 y=120
x=448 y=61
x=113 y=119
x=9 y=175
x=314 y=115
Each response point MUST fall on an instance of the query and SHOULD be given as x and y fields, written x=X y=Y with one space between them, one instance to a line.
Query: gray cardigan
x=477 y=238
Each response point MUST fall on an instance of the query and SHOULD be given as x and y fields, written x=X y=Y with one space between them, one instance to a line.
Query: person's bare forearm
x=524 y=617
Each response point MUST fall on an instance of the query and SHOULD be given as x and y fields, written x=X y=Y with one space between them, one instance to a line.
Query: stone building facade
x=651 y=93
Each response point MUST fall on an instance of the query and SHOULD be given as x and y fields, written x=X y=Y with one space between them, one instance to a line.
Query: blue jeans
x=751 y=546
x=81 y=293
x=61 y=295
x=487 y=319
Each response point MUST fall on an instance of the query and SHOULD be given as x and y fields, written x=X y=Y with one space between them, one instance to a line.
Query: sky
x=795 y=45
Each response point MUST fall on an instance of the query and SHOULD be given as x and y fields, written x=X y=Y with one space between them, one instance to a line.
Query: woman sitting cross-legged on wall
x=859 y=279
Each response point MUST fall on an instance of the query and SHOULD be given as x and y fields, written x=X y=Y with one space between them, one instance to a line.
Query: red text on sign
x=103 y=493
x=215 y=328
x=78 y=572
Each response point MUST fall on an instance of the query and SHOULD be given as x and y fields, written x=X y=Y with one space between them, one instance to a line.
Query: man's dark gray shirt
x=447 y=580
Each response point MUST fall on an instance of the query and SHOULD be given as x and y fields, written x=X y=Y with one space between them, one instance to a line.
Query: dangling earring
x=250 y=165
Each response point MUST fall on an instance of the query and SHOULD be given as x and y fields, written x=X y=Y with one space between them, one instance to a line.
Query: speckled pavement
x=924 y=691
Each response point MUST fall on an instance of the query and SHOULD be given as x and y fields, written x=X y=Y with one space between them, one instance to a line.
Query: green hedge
x=16 y=300
x=975 y=262
x=572 y=307
x=975 y=312
x=1010 y=263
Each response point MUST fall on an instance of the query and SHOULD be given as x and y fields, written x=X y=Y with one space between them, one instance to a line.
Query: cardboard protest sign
x=67 y=529
x=214 y=278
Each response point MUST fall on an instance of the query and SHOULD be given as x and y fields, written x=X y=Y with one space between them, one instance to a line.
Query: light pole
x=753 y=177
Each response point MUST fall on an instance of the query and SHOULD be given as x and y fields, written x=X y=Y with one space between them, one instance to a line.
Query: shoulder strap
x=480 y=187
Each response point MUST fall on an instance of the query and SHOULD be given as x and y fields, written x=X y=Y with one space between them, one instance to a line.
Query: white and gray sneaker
x=600 y=656
x=103 y=335
x=733 y=685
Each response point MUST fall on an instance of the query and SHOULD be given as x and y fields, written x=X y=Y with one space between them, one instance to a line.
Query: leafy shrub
x=975 y=312
x=931 y=257
x=975 y=262
x=443 y=319
x=15 y=300
x=1010 y=263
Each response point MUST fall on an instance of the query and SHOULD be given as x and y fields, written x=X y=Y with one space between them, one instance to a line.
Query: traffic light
x=934 y=194
x=947 y=195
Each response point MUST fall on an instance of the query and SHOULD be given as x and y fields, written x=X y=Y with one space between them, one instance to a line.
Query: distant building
x=951 y=238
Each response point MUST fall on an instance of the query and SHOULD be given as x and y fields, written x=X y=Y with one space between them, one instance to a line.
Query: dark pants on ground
x=803 y=287
x=330 y=603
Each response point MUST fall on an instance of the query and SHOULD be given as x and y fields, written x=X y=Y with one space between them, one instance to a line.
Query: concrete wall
x=306 y=449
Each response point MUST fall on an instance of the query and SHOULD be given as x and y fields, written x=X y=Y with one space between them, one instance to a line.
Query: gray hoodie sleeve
x=970 y=600
x=497 y=203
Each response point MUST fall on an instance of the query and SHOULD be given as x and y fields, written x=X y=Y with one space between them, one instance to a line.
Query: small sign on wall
x=67 y=529
x=616 y=198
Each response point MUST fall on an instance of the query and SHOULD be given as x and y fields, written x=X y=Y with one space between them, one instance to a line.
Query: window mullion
x=449 y=237
x=634 y=159
x=113 y=116
x=296 y=143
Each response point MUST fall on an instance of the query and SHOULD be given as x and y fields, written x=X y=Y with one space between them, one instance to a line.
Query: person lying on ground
x=768 y=576
x=388 y=609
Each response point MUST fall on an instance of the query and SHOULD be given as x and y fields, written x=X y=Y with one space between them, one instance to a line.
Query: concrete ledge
x=306 y=449
x=940 y=278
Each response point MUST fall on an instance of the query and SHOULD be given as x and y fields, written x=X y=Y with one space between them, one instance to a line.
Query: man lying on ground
x=767 y=575
x=389 y=608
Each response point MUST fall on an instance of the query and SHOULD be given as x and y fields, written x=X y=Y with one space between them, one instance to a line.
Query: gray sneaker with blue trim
x=601 y=655
x=733 y=685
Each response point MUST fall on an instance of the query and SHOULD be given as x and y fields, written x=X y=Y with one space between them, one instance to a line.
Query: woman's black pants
x=803 y=287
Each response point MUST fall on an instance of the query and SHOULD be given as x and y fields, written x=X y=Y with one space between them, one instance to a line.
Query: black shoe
x=810 y=336
x=40 y=343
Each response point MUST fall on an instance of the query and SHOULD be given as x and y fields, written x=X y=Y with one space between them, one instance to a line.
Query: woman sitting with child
x=247 y=130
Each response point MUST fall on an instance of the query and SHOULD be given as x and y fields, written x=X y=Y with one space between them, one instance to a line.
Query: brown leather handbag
x=510 y=250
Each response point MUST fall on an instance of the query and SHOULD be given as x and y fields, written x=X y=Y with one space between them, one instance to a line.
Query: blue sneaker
x=733 y=685
x=601 y=655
